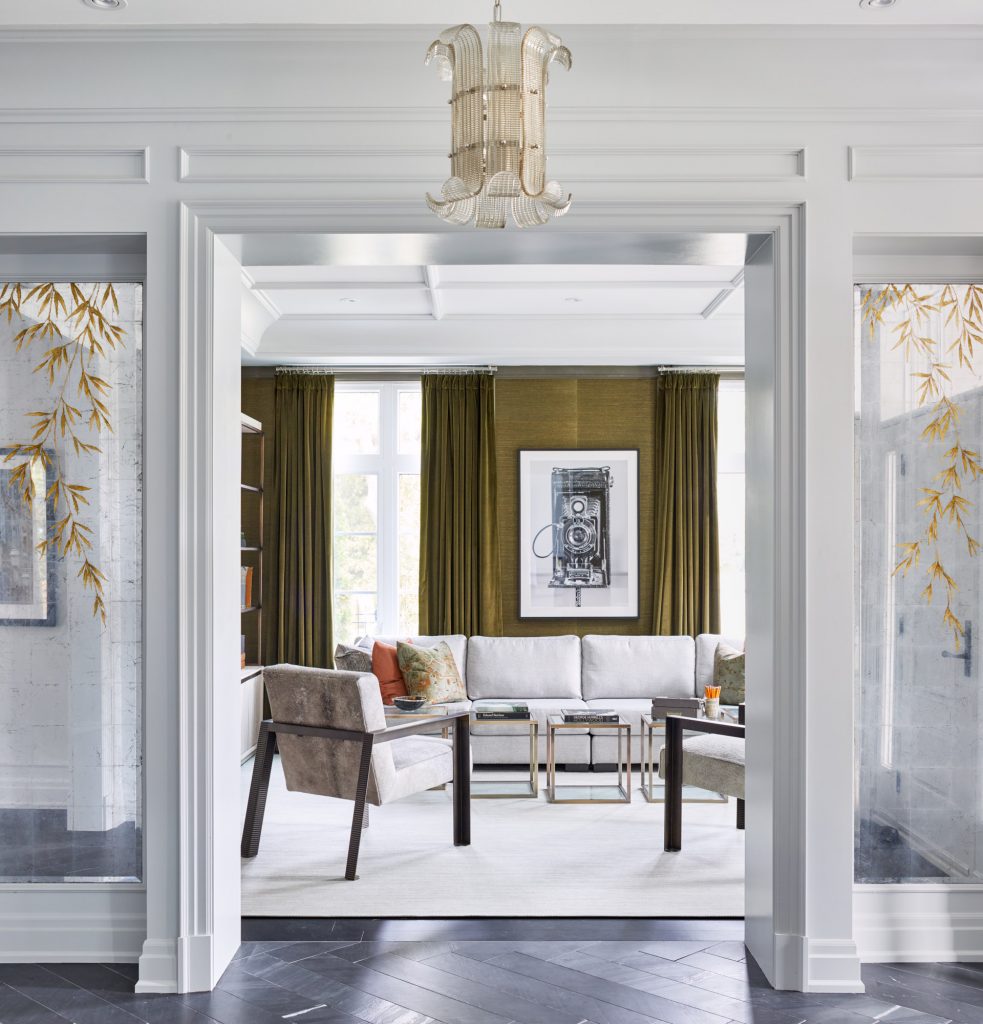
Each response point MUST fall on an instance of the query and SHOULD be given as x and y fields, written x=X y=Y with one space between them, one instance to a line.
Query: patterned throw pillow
x=431 y=672
x=728 y=674
x=385 y=666
x=352 y=659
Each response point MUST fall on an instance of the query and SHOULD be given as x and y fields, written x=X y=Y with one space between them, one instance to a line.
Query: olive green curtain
x=687 y=555
x=300 y=536
x=460 y=585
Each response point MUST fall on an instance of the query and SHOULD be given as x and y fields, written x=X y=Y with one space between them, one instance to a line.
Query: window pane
x=356 y=423
x=409 y=552
x=355 y=616
x=356 y=503
x=356 y=561
x=730 y=505
x=410 y=417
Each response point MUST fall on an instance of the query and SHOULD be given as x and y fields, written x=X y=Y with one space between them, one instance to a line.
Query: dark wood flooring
x=487 y=972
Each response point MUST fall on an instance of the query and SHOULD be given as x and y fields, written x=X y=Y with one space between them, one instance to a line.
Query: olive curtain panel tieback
x=460 y=583
x=300 y=592
x=687 y=549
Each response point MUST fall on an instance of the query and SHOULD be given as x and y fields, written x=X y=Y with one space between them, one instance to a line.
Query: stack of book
x=590 y=716
x=662 y=706
x=501 y=711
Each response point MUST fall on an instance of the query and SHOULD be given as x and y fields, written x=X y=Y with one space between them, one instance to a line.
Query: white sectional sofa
x=555 y=672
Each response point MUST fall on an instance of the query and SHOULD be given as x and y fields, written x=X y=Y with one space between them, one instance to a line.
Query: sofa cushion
x=706 y=645
x=638 y=666
x=539 y=709
x=353 y=659
x=457 y=642
x=431 y=672
x=523 y=667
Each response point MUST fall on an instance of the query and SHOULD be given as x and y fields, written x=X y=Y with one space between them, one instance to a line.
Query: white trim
x=777 y=940
x=919 y=923
x=69 y=165
x=435 y=114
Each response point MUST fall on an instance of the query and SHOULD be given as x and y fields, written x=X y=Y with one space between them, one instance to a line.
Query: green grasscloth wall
x=544 y=412
x=565 y=412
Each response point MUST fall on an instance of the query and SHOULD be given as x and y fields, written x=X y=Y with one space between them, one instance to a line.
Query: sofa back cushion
x=517 y=667
x=638 y=666
x=706 y=647
x=458 y=643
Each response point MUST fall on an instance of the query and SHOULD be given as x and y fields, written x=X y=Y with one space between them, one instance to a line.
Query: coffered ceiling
x=539 y=313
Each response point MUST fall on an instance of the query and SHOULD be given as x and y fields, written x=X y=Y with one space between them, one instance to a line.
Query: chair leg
x=259 y=787
x=359 y=812
x=462 y=781
x=673 y=839
x=740 y=814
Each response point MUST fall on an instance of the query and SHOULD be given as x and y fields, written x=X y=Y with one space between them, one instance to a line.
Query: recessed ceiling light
x=105 y=5
x=878 y=3
x=573 y=298
x=346 y=300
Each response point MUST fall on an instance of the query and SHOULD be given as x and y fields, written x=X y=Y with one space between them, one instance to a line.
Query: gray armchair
x=713 y=760
x=333 y=739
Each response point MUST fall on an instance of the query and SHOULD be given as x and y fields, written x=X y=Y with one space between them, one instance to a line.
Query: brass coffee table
x=653 y=788
x=570 y=793
x=502 y=789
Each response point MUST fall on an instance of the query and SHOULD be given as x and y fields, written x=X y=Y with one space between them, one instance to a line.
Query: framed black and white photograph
x=578 y=533
x=26 y=579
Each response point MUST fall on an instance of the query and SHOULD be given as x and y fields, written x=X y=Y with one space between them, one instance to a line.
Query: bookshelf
x=251 y=557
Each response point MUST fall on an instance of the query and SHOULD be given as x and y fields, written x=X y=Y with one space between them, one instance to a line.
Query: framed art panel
x=578 y=533
x=27 y=591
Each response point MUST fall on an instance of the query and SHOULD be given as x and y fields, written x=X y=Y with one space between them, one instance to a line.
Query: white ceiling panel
x=599 y=273
x=334 y=274
x=350 y=301
x=611 y=300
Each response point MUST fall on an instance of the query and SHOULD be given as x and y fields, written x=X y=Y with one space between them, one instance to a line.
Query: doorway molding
x=776 y=877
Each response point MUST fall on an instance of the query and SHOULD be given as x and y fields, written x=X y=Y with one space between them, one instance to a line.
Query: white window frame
x=730 y=465
x=387 y=466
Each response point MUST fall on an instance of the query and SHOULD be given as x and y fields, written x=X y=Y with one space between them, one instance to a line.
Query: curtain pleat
x=300 y=626
x=687 y=550
x=460 y=587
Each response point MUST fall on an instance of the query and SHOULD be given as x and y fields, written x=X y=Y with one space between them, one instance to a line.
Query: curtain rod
x=701 y=369
x=377 y=369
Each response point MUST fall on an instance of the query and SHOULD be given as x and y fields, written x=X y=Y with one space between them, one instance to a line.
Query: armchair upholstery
x=334 y=741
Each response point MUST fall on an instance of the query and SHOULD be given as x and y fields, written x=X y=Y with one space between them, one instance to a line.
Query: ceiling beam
x=725 y=293
x=432 y=276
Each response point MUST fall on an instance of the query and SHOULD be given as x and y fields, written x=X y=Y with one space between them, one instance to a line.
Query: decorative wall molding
x=918 y=923
x=101 y=924
x=435 y=114
x=916 y=163
x=292 y=164
x=71 y=165
x=376 y=34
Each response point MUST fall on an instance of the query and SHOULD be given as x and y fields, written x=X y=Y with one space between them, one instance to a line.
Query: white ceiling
x=53 y=13
x=505 y=314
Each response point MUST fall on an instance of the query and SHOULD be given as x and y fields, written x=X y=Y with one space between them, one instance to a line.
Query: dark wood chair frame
x=676 y=725
x=263 y=765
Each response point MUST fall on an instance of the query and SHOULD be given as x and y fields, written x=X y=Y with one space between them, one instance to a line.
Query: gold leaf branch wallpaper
x=936 y=330
x=75 y=325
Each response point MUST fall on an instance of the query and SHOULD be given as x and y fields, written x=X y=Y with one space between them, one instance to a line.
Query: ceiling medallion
x=498 y=124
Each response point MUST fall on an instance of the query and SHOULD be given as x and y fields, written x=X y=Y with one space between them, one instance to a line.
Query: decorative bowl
x=410 y=703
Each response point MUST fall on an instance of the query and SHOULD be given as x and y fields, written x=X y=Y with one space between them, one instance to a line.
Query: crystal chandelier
x=498 y=124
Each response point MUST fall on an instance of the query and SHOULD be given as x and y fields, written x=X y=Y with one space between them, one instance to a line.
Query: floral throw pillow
x=728 y=674
x=431 y=672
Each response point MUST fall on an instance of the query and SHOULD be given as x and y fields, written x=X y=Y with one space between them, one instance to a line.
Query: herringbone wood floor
x=686 y=979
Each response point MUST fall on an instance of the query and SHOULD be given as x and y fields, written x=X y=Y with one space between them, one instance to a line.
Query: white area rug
x=527 y=858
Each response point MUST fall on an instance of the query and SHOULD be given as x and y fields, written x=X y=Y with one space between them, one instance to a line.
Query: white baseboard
x=801 y=964
x=58 y=925
x=918 y=923
x=158 y=967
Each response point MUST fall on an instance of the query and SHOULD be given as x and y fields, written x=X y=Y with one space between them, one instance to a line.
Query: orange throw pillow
x=385 y=667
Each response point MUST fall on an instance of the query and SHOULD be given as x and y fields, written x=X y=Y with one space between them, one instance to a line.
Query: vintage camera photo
x=578 y=533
